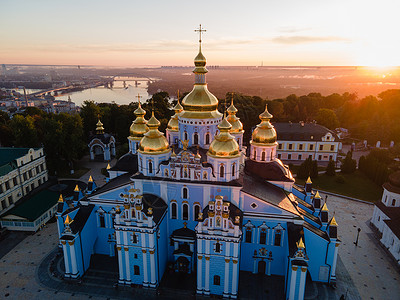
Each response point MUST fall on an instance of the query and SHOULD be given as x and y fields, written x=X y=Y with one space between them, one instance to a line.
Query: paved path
x=371 y=270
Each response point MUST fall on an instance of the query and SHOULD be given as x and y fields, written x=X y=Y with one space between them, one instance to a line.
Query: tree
x=349 y=164
x=330 y=169
x=24 y=131
x=89 y=113
x=308 y=168
x=327 y=117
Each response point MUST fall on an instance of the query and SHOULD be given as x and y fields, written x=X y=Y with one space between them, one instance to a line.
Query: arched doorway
x=196 y=138
x=182 y=264
x=261 y=267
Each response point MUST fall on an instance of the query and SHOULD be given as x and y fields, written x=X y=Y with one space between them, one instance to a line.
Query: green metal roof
x=8 y=156
x=33 y=207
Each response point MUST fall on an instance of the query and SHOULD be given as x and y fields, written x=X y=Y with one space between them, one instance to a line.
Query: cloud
x=304 y=39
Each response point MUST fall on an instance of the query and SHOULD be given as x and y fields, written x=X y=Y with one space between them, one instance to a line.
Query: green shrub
x=340 y=179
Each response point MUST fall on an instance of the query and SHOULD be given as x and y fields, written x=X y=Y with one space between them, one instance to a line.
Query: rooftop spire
x=200 y=61
x=99 y=127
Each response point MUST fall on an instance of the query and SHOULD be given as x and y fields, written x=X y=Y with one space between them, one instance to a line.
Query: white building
x=386 y=216
x=21 y=171
x=299 y=141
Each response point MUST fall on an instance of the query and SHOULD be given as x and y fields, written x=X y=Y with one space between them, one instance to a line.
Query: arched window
x=255 y=153
x=141 y=164
x=233 y=169
x=185 y=136
x=185 y=193
x=207 y=138
x=263 y=156
x=136 y=270
x=185 y=212
x=263 y=237
x=249 y=232
x=166 y=173
x=218 y=247
x=278 y=238
x=196 y=212
x=134 y=238
x=204 y=175
x=150 y=166
x=173 y=210
x=217 y=280
x=221 y=171
x=195 y=138
x=102 y=221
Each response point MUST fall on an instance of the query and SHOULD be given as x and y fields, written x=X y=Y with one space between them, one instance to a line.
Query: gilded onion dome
x=173 y=124
x=237 y=126
x=139 y=127
x=264 y=134
x=153 y=142
x=224 y=145
x=200 y=103
x=99 y=127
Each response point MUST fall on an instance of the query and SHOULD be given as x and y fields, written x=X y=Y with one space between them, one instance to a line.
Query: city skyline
x=132 y=34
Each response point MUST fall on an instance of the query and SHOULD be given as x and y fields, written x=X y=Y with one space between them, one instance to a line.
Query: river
x=118 y=94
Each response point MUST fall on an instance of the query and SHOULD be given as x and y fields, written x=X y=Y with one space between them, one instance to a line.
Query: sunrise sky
x=137 y=33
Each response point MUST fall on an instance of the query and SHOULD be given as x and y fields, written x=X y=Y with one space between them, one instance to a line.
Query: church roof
x=113 y=183
x=272 y=171
x=393 y=213
x=301 y=132
x=156 y=203
x=80 y=219
x=268 y=192
x=127 y=163
x=103 y=137
x=184 y=232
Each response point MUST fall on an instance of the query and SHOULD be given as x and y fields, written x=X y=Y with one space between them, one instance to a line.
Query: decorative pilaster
x=235 y=278
x=128 y=269
x=66 y=259
x=207 y=277
x=145 y=270
x=226 y=277
x=120 y=265
x=74 y=271
x=199 y=274
x=292 y=288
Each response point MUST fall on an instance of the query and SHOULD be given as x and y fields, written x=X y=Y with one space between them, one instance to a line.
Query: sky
x=153 y=33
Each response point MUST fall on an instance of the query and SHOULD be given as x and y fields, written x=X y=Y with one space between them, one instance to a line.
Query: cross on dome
x=200 y=31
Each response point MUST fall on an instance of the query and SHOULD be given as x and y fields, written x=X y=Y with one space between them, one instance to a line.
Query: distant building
x=299 y=141
x=21 y=171
x=102 y=145
x=386 y=216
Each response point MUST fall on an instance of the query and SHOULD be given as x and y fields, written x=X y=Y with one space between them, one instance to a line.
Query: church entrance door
x=261 y=267
x=183 y=264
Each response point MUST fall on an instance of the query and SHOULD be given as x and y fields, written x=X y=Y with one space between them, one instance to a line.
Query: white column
x=269 y=267
x=73 y=258
x=226 y=277
x=120 y=266
x=235 y=278
x=199 y=273
x=145 y=271
x=128 y=269
x=152 y=267
x=66 y=258
x=333 y=272
x=207 y=277
x=255 y=266
x=302 y=283
x=292 y=288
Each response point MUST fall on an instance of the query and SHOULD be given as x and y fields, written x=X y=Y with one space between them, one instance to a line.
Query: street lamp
x=358 y=234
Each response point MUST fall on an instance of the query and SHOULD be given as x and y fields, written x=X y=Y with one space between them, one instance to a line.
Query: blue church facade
x=194 y=201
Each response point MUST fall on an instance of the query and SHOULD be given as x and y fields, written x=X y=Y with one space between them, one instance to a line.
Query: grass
x=295 y=168
x=356 y=185
x=78 y=173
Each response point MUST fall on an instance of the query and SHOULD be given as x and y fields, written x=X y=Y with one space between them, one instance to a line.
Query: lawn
x=356 y=185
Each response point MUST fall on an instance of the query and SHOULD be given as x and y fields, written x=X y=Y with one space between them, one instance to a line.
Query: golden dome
x=139 y=127
x=99 y=127
x=153 y=142
x=237 y=126
x=265 y=133
x=173 y=124
x=224 y=145
x=200 y=104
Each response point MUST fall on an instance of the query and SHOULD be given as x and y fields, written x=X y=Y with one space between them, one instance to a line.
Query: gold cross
x=200 y=30
x=138 y=96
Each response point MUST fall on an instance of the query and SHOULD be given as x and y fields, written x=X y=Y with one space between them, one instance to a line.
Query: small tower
x=91 y=185
x=308 y=189
x=102 y=145
x=237 y=126
x=153 y=149
x=296 y=279
x=138 y=128
x=333 y=247
x=317 y=203
x=224 y=153
x=263 y=140
x=324 y=216
x=172 y=131
x=78 y=195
